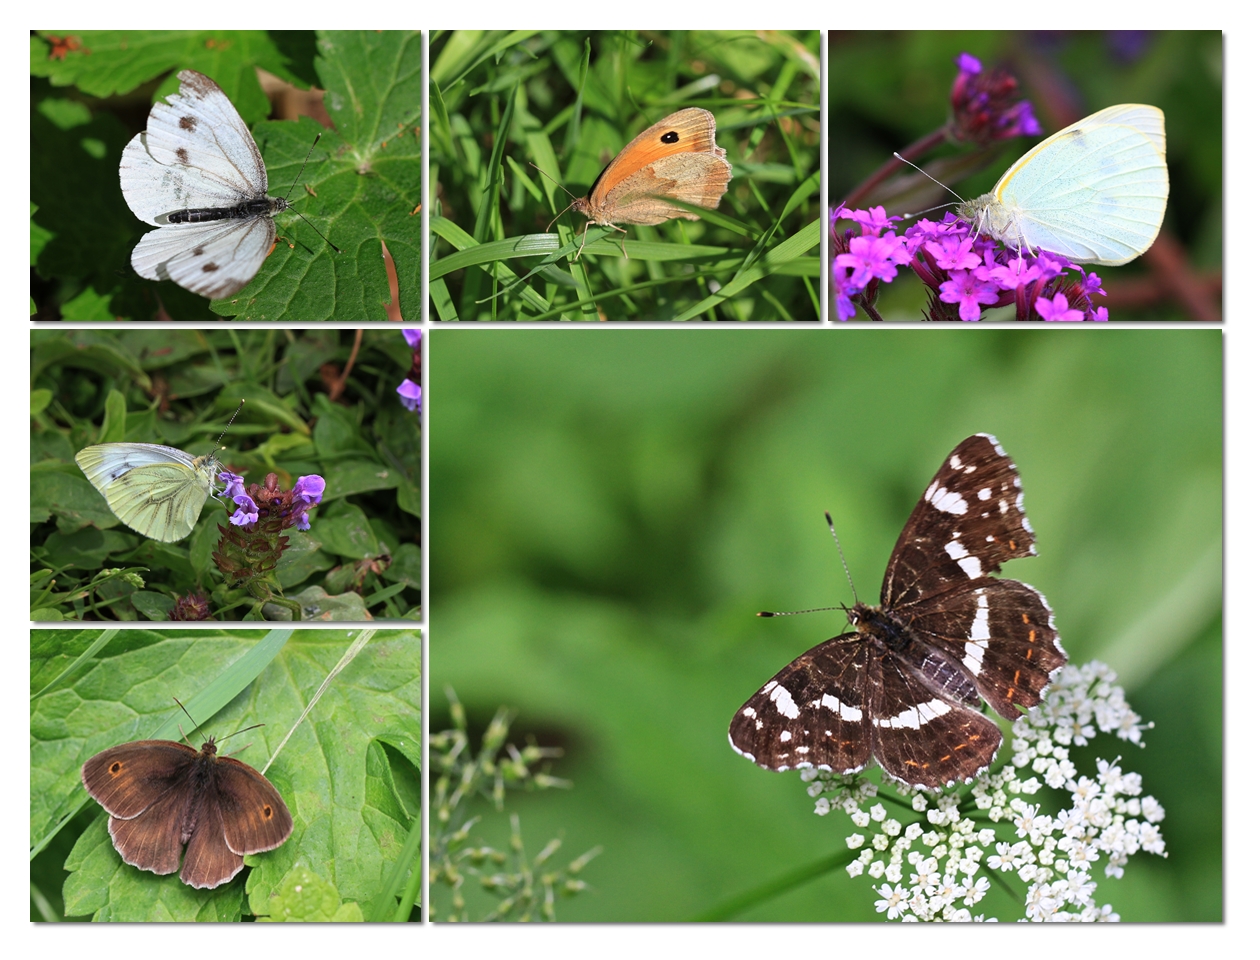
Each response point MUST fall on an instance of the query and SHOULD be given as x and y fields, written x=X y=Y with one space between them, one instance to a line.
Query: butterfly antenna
x=239 y=407
x=792 y=613
x=926 y=174
x=557 y=183
x=290 y=193
x=832 y=527
x=189 y=716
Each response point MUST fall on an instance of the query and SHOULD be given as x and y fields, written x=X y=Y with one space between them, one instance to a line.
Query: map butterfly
x=909 y=685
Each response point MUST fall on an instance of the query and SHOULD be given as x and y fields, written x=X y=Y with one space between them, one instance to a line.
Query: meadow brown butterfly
x=676 y=159
x=160 y=794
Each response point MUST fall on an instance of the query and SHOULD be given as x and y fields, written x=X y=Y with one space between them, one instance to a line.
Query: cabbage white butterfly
x=157 y=491
x=196 y=173
x=1094 y=192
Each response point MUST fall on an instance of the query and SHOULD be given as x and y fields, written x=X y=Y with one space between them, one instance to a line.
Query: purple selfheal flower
x=309 y=489
x=307 y=492
x=246 y=510
x=234 y=484
x=410 y=395
x=984 y=107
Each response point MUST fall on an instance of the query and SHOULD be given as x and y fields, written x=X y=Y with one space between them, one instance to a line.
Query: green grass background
x=569 y=102
x=888 y=89
x=608 y=513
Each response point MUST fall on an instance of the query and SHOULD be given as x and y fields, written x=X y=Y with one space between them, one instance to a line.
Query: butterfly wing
x=154 y=489
x=208 y=862
x=213 y=259
x=195 y=152
x=799 y=718
x=677 y=157
x=255 y=818
x=129 y=779
x=1094 y=192
x=919 y=567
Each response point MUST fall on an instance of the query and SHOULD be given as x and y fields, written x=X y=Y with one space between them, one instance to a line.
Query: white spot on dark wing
x=830 y=702
x=912 y=718
x=955 y=462
x=978 y=640
x=850 y=714
x=944 y=500
x=802 y=749
x=785 y=736
x=783 y=701
x=984 y=493
x=750 y=713
x=970 y=565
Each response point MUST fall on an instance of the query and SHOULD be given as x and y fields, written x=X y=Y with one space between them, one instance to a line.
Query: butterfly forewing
x=969 y=521
x=908 y=686
x=195 y=152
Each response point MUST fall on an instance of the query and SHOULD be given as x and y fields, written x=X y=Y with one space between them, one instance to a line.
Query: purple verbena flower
x=1057 y=309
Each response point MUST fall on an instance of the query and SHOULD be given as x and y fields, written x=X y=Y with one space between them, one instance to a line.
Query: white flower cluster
x=941 y=855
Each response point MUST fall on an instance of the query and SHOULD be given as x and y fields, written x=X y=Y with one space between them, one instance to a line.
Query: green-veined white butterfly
x=157 y=491
x=1094 y=192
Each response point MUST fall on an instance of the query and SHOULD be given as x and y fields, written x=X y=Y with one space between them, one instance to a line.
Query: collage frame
x=591 y=516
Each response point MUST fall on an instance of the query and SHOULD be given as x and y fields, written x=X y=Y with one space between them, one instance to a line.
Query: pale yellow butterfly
x=157 y=491
x=1094 y=192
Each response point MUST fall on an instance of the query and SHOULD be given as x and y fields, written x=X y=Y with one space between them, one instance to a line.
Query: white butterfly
x=197 y=174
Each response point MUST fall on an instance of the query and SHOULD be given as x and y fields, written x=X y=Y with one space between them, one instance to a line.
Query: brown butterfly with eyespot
x=675 y=159
x=161 y=794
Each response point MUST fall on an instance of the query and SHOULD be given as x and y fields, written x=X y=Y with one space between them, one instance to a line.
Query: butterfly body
x=154 y=489
x=196 y=173
x=908 y=685
x=675 y=159
x=161 y=795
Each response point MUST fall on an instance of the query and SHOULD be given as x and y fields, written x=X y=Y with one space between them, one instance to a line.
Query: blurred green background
x=609 y=509
x=888 y=89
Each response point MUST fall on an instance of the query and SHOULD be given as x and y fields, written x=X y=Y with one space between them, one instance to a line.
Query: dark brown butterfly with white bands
x=909 y=685
x=160 y=794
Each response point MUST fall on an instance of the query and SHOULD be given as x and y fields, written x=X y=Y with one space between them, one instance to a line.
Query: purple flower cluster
x=291 y=506
x=964 y=273
x=984 y=106
x=409 y=392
